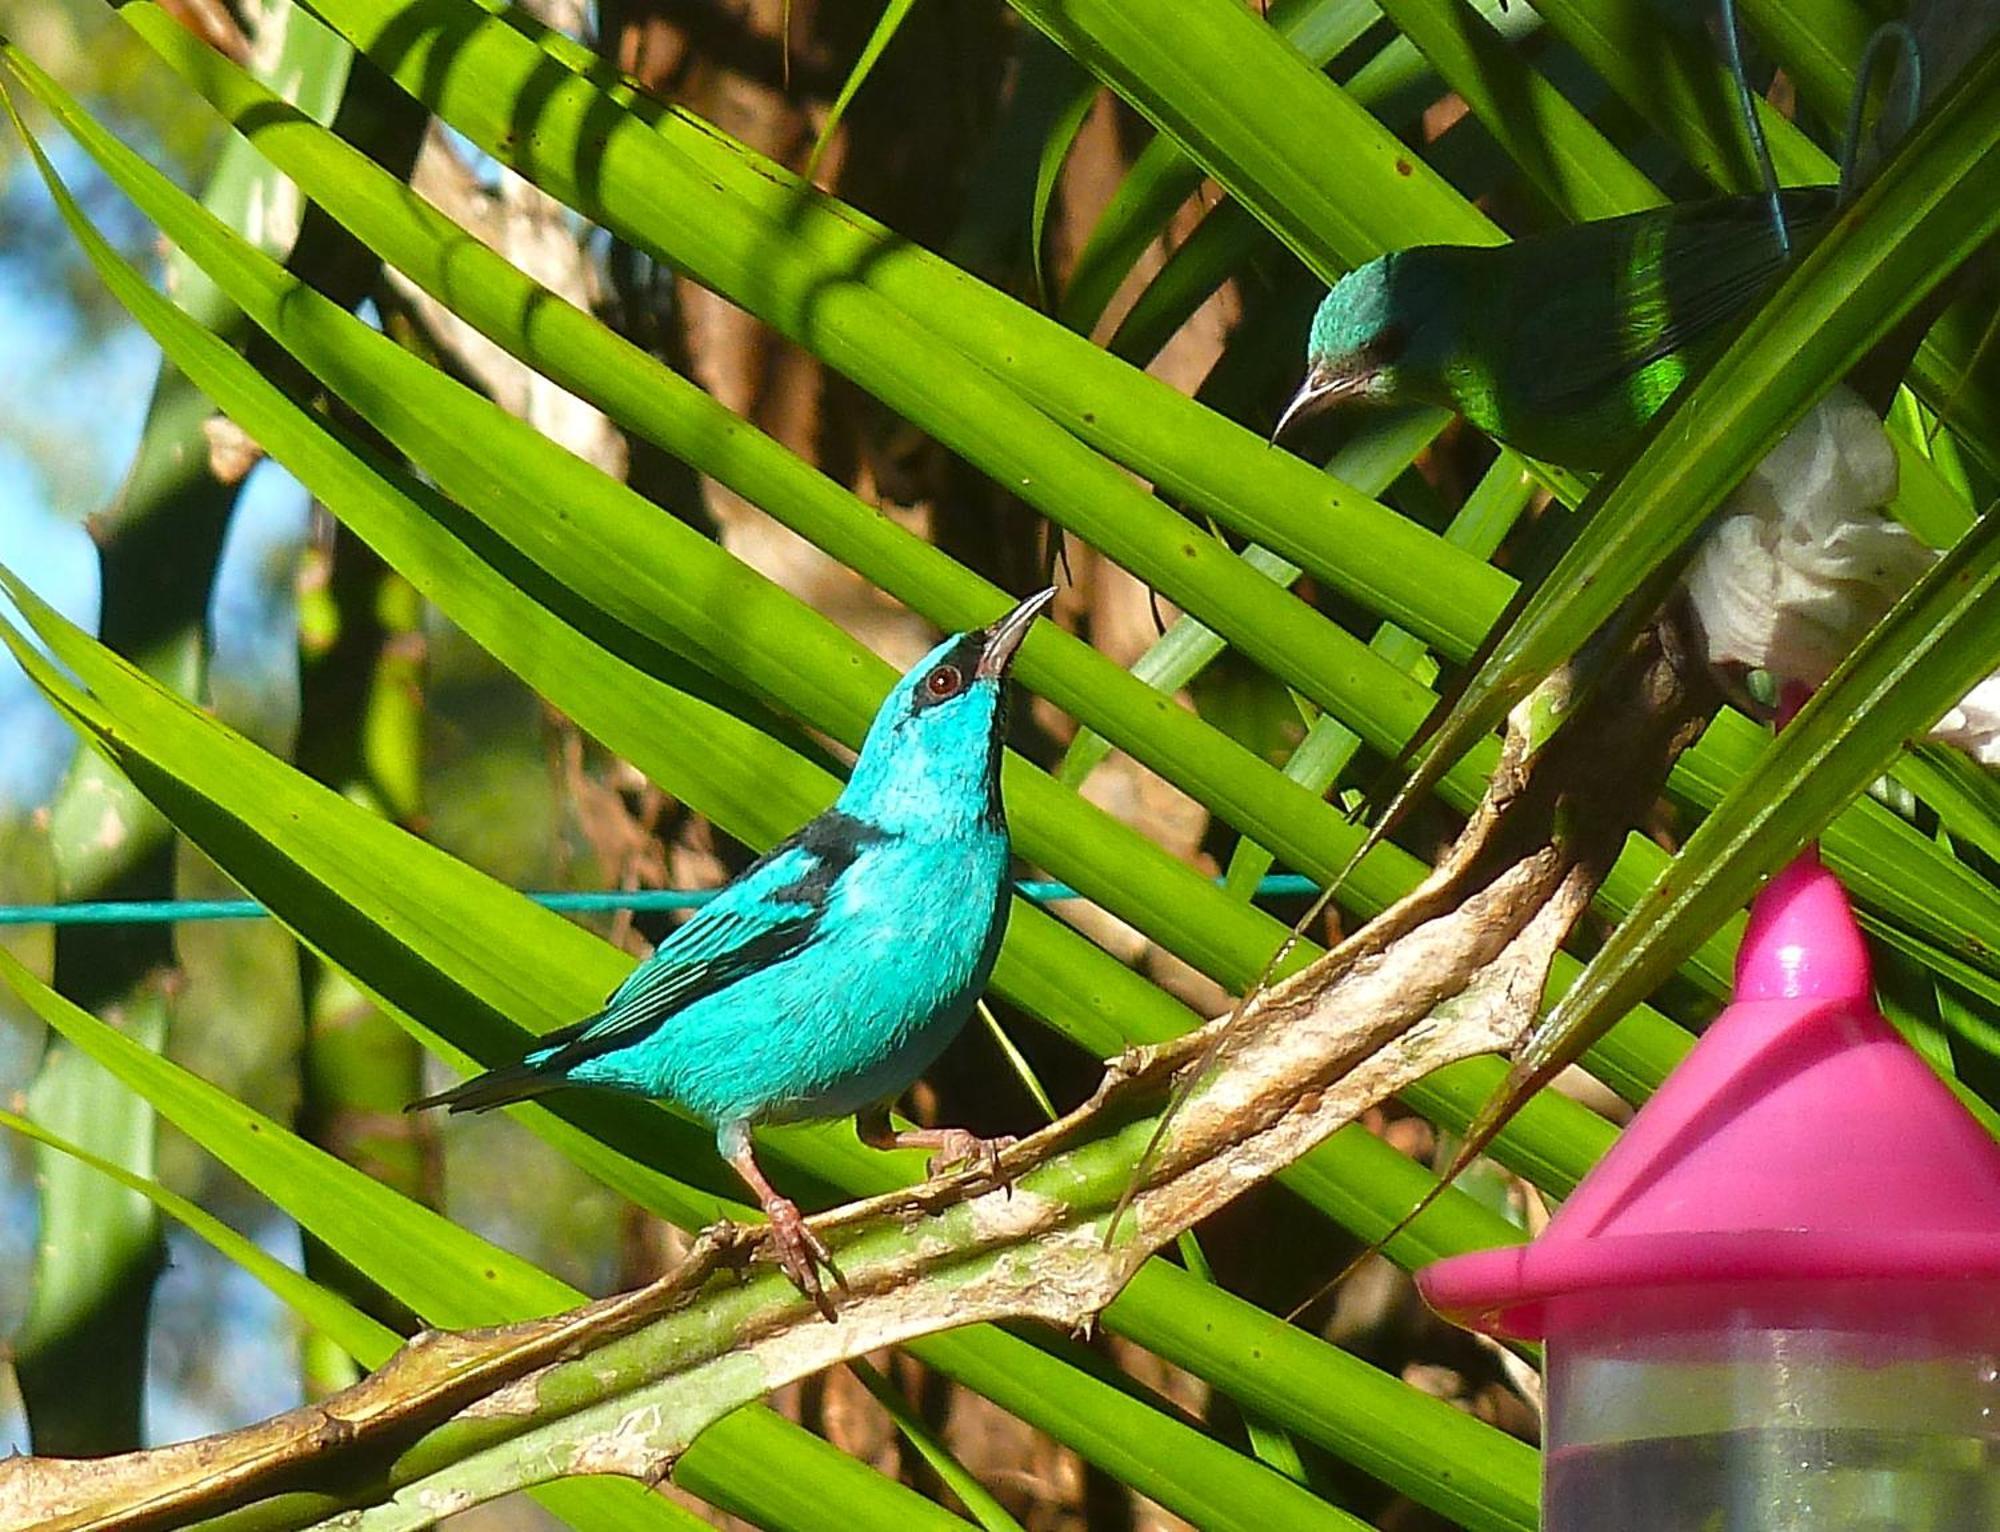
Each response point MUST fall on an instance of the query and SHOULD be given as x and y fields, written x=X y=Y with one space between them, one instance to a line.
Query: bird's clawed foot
x=950 y=1147
x=954 y=1148
x=802 y=1254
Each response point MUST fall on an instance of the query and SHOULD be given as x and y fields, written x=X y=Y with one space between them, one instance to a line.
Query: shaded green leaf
x=894 y=13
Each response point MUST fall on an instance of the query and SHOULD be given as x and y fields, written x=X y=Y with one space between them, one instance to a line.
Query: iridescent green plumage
x=1564 y=344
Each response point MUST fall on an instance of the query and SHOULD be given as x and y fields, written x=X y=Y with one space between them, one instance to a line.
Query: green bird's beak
x=998 y=643
x=1325 y=384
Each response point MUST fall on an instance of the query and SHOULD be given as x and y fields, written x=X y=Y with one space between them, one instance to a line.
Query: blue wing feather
x=753 y=913
x=768 y=915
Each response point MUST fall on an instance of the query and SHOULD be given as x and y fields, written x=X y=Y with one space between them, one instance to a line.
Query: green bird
x=1563 y=344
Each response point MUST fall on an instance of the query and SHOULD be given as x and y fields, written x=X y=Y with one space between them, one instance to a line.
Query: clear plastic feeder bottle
x=1775 y=1305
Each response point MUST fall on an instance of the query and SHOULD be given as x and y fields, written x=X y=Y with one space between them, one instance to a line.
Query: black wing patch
x=833 y=841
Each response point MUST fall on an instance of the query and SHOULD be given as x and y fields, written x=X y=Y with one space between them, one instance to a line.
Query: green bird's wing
x=1674 y=280
x=1606 y=319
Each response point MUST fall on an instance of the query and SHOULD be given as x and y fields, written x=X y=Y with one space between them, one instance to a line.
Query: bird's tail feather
x=497 y=1087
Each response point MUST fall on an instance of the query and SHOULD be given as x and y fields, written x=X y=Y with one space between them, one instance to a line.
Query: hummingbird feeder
x=1774 y=1306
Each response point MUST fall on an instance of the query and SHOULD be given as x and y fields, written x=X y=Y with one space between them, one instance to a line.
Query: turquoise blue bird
x=836 y=969
x=1563 y=344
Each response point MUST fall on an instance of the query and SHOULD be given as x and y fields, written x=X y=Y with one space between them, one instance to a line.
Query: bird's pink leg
x=800 y=1251
x=948 y=1146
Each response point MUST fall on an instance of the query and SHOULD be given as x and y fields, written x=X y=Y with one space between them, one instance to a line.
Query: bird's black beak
x=999 y=642
x=1323 y=386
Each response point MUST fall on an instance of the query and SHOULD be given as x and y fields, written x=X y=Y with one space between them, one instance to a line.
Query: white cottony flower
x=1974 y=725
x=1801 y=562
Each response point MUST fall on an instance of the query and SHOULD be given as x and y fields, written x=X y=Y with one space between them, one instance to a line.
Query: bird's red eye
x=944 y=682
x=1388 y=344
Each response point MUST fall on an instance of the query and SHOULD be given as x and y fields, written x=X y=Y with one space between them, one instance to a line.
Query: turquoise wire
x=106 y=912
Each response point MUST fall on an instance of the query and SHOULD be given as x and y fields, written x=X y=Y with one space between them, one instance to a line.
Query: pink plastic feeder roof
x=1802 y=1139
